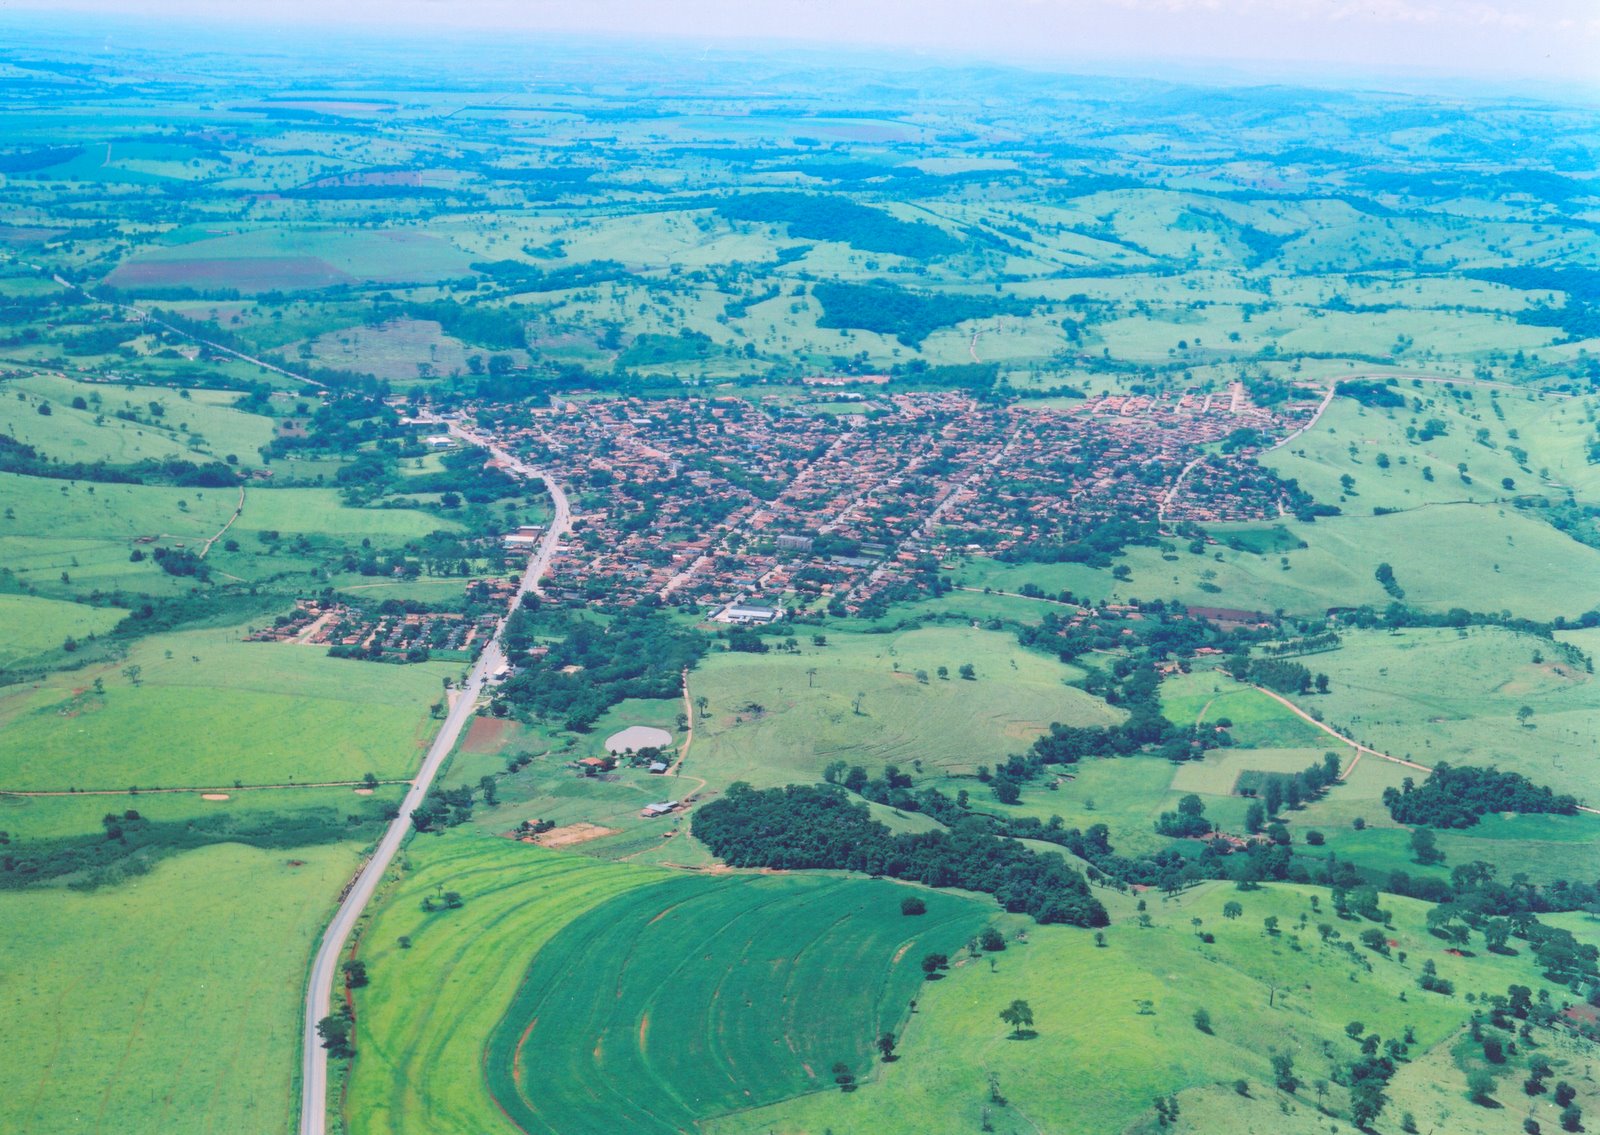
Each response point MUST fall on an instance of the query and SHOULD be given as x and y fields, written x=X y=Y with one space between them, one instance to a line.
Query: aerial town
x=730 y=505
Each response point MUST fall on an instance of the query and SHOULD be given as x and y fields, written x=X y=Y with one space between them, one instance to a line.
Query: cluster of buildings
x=352 y=630
x=730 y=503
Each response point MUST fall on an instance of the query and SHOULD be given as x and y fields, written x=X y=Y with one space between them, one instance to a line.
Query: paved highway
x=325 y=967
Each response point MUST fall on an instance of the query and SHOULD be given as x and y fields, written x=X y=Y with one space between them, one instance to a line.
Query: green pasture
x=319 y=512
x=33 y=627
x=1355 y=441
x=1258 y=721
x=771 y=721
x=1434 y=695
x=1099 y=1056
x=1219 y=773
x=1125 y=794
x=41 y=817
x=210 y=709
x=88 y=531
x=1484 y=557
x=201 y=427
x=171 y=1002
x=715 y=995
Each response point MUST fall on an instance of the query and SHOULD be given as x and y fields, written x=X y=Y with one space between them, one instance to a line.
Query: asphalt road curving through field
x=325 y=966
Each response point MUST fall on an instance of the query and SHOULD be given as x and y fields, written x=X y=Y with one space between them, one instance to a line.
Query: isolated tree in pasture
x=1019 y=1015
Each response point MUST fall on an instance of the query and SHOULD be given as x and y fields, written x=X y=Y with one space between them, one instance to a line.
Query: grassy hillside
x=865 y=704
x=167 y=1003
x=1119 y=1030
x=211 y=709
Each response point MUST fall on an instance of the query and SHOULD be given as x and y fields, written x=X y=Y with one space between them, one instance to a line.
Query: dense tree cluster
x=820 y=827
x=1379 y=395
x=639 y=654
x=1455 y=797
x=1188 y=822
x=1277 y=674
x=908 y=316
x=131 y=842
x=822 y=216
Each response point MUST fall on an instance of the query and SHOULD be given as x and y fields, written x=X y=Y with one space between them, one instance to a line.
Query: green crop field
x=807 y=720
x=695 y=955
x=716 y=995
x=166 y=1003
x=431 y=1007
x=1099 y=1055
x=210 y=709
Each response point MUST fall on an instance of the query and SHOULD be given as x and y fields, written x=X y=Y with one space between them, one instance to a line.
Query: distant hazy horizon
x=1538 y=41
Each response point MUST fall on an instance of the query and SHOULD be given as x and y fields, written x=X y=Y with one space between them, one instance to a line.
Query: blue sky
x=1545 y=40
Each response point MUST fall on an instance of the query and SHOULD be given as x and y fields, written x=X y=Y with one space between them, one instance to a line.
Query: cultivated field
x=704 y=963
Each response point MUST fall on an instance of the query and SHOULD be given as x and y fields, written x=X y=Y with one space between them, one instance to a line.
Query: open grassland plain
x=35 y=627
x=68 y=537
x=193 y=424
x=167 y=1003
x=1538 y=441
x=1433 y=695
x=1114 y=1026
x=210 y=709
x=1517 y=562
x=876 y=699
x=724 y=992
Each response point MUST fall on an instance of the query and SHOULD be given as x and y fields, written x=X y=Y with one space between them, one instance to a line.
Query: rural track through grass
x=1359 y=748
